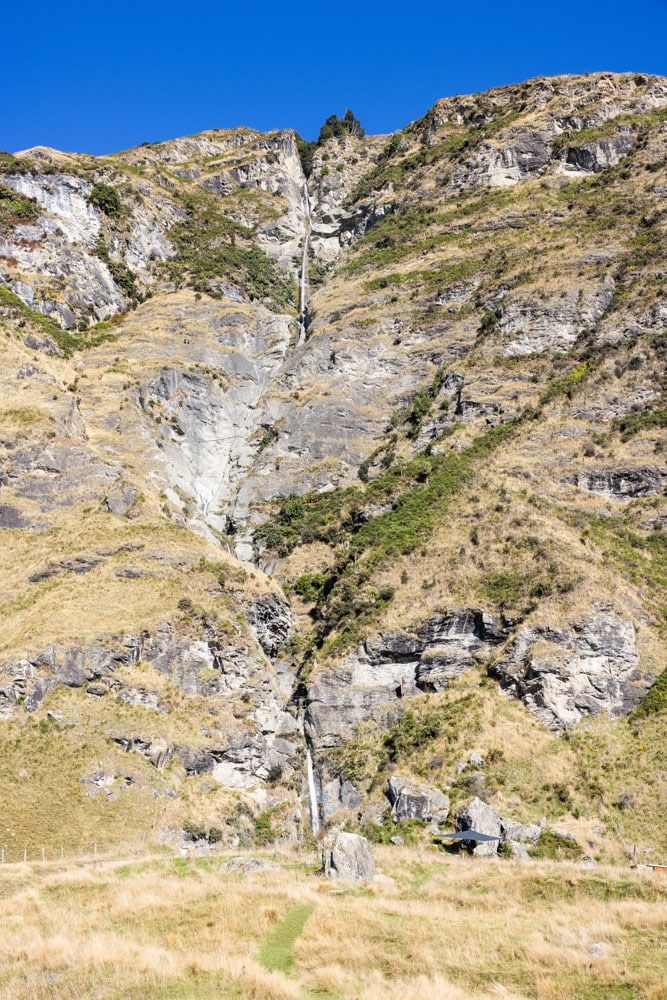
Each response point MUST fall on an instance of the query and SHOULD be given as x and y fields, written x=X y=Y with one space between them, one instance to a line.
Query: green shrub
x=411 y=830
x=413 y=730
x=644 y=420
x=15 y=209
x=556 y=847
x=106 y=198
x=309 y=586
x=212 y=248
x=655 y=699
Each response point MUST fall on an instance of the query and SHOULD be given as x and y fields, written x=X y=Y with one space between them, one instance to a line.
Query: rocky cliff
x=358 y=454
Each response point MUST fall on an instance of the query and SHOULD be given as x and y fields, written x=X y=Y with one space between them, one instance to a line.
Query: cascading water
x=303 y=285
x=312 y=794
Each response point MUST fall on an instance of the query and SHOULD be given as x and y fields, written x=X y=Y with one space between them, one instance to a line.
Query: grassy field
x=436 y=926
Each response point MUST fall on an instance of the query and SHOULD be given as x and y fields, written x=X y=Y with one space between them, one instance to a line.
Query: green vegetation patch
x=15 y=209
x=212 y=248
x=68 y=341
x=655 y=700
x=643 y=420
x=106 y=198
x=277 y=952
x=390 y=168
x=431 y=280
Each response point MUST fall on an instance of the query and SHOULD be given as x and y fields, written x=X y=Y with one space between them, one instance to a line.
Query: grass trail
x=276 y=954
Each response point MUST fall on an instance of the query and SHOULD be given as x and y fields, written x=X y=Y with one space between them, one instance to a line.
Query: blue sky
x=98 y=77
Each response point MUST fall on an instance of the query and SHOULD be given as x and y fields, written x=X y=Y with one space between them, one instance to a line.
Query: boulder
x=248 y=866
x=479 y=816
x=412 y=801
x=348 y=857
x=523 y=833
x=518 y=850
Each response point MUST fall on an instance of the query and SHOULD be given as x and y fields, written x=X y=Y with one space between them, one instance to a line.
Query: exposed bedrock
x=565 y=674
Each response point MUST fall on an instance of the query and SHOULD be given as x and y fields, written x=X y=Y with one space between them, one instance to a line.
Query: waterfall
x=303 y=285
x=312 y=794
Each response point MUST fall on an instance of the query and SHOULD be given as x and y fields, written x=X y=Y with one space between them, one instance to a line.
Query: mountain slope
x=368 y=461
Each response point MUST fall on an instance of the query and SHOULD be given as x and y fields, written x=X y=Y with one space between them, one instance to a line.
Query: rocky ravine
x=447 y=341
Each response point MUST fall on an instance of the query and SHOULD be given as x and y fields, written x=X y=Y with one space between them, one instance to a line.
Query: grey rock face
x=519 y=850
x=263 y=739
x=552 y=324
x=50 y=473
x=121 y=498
x=479 y=816
x=596 y=156
x=248 y=866
x=412 y=801
x=563 y=675
x=348 y=857
x=335 y=792
x=621 y=484
x=372 y=682
x=271 y=620
x=522 y=833
x=524 y=154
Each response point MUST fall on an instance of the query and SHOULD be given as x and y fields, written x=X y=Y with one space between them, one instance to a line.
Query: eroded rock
x=565 y=674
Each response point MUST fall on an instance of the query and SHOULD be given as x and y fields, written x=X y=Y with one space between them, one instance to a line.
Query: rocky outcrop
x=565 y=674
x=49 y=473
x=524 y=153
x=622 y=484
x=378 y=678
x=255 y=740
x=482 y=818
x=374 y=680
x=552 y=323
x=592 y=157
x=410 y=800
x=347 y=857
x=271 y=620
x=121 y=498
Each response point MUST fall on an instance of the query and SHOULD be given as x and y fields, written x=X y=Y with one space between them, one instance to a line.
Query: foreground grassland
x=443 y=927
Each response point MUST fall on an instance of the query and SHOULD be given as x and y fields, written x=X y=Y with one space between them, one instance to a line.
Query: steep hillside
x=351 y=451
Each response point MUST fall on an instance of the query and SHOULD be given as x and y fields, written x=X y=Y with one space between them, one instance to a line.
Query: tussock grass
x=463 y=930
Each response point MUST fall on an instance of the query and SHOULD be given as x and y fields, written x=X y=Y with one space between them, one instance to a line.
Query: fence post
x=43 y=857
x=25 y=854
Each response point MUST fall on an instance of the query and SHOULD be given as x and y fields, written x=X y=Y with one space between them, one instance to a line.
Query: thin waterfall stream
x=312 y=794
x=303 y=284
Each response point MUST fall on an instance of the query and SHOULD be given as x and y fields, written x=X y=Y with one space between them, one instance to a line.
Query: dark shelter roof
x=468 y=835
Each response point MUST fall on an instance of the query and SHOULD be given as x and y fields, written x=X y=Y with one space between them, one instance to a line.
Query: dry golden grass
x=439 y=927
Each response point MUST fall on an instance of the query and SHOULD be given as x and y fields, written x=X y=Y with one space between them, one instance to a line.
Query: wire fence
x=30 y=854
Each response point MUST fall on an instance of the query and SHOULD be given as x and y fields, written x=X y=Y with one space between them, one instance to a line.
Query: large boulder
x=481 y=818
x=412 y=801
x=347 y=856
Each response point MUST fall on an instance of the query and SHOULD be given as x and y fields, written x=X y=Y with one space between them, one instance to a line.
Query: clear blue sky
x=102 y=76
